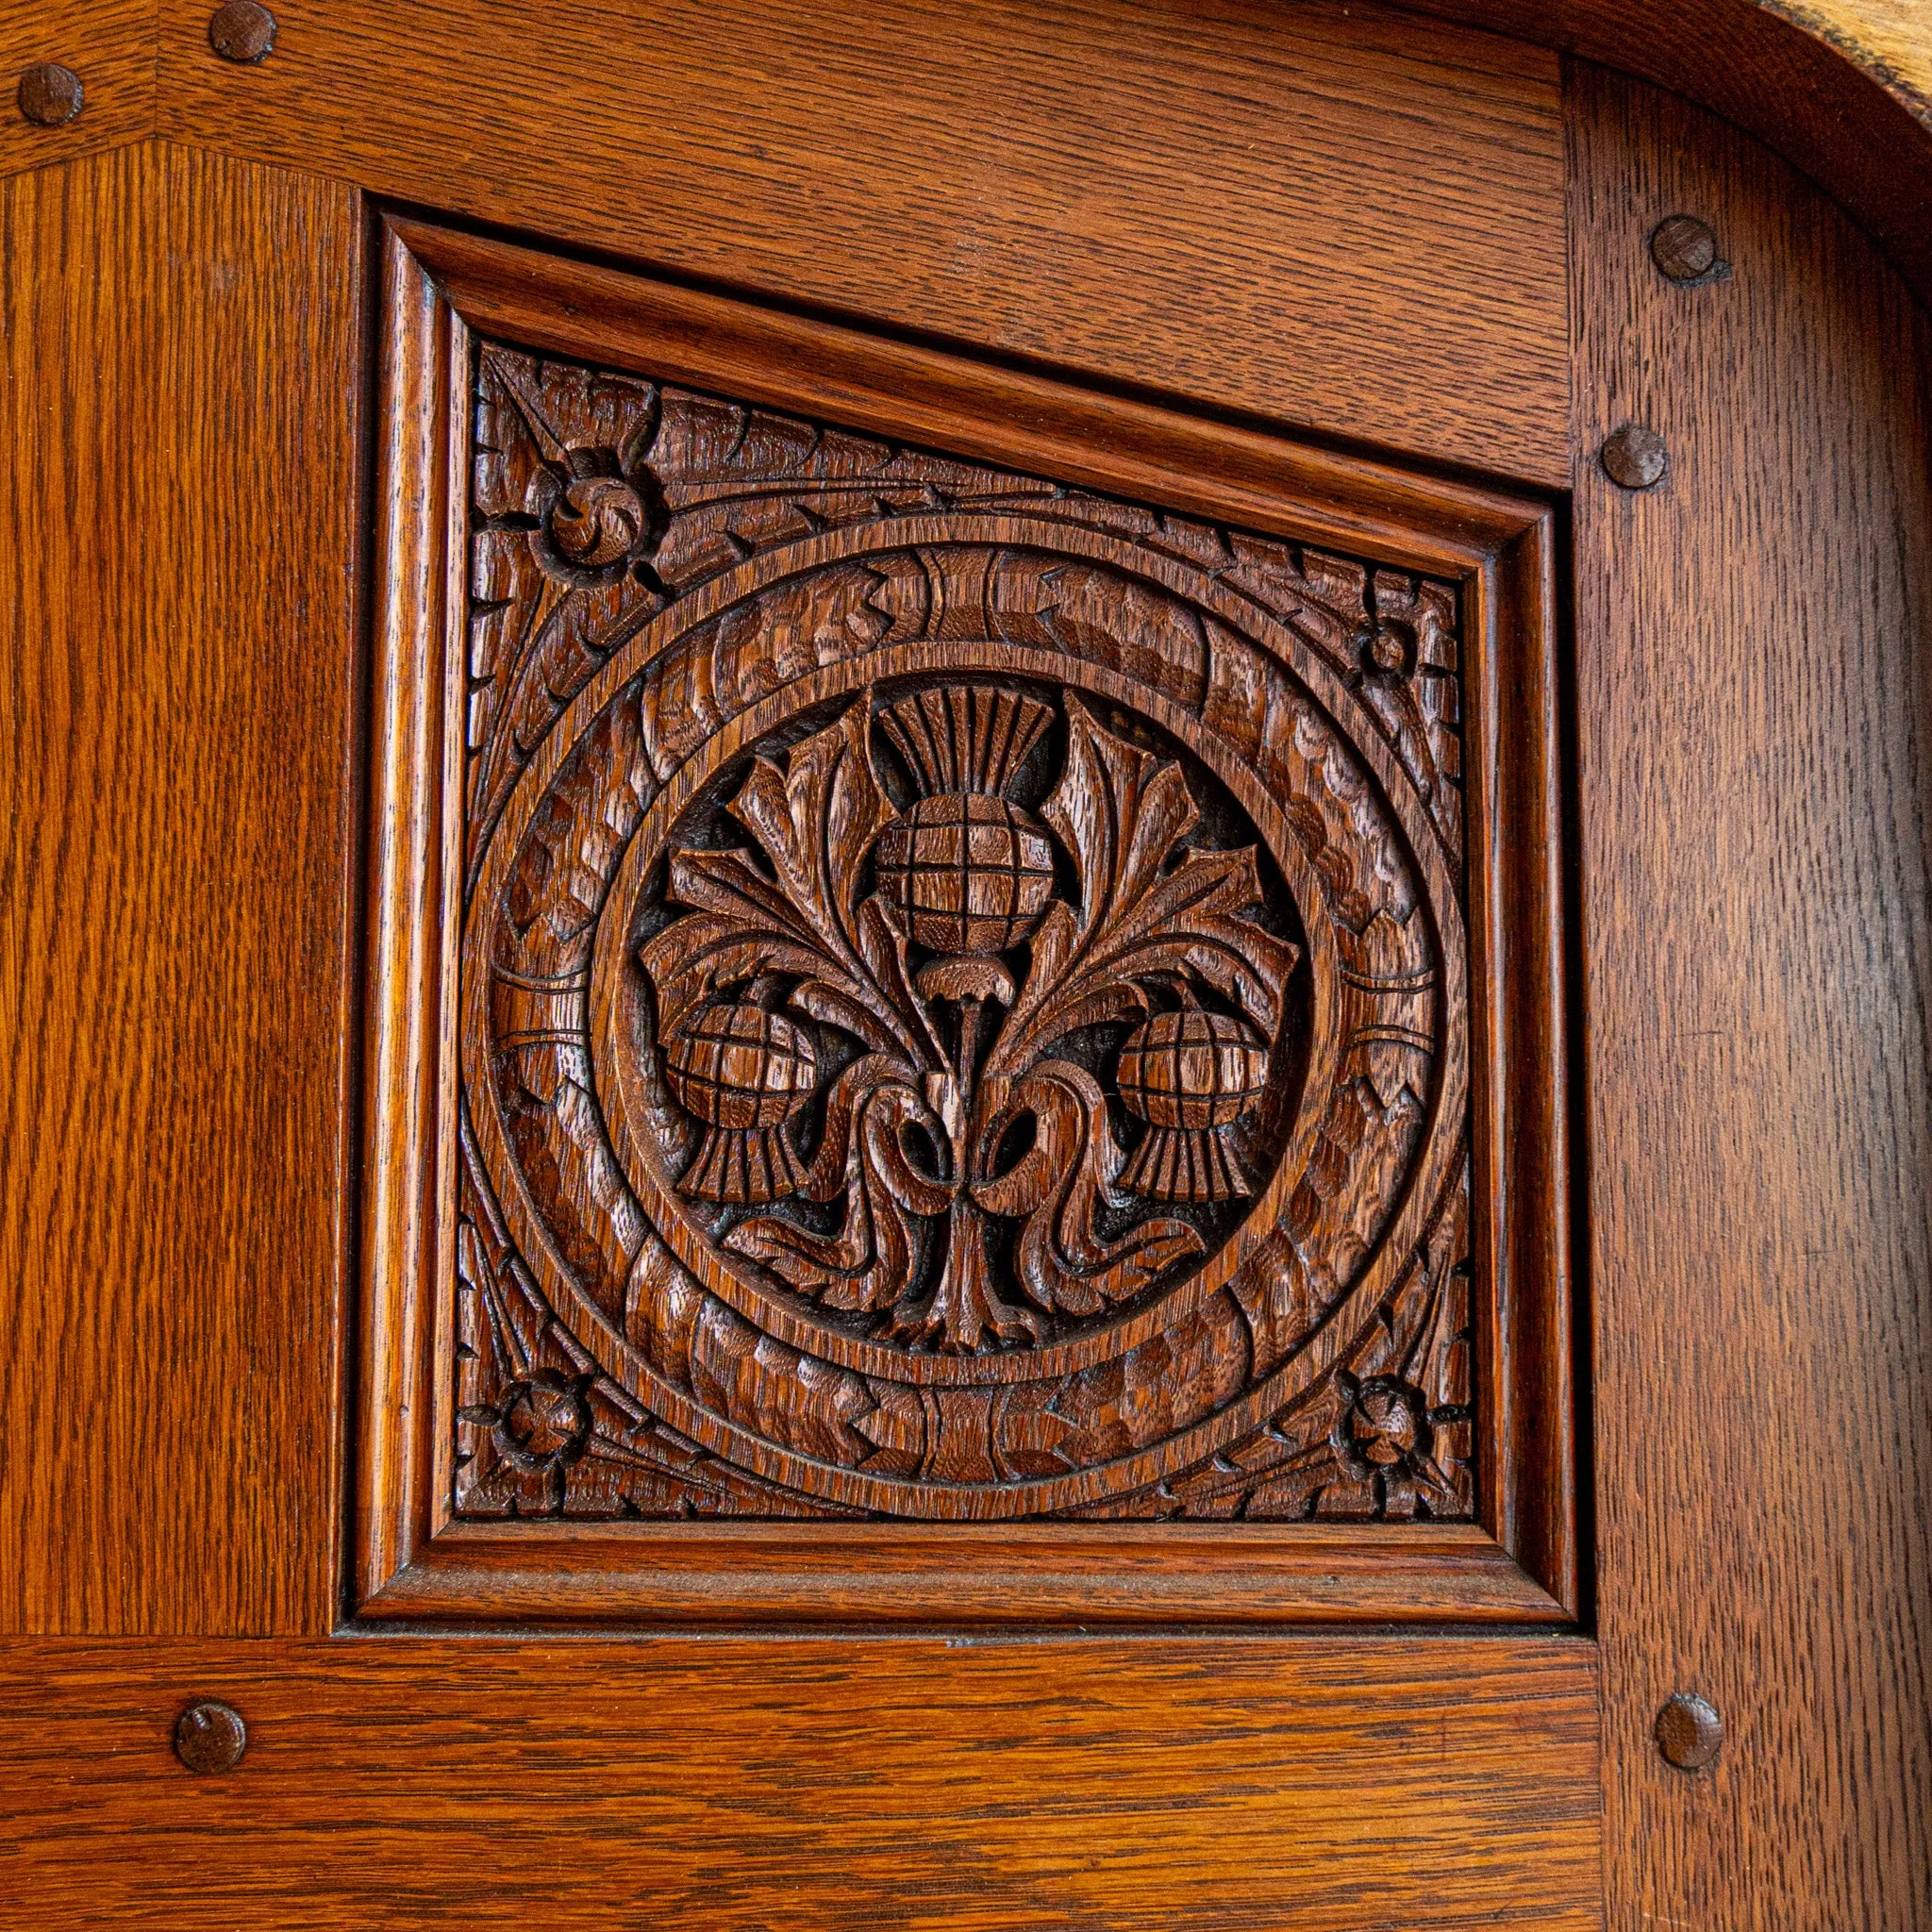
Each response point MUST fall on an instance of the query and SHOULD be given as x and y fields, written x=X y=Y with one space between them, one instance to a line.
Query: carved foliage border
x=692 y=488
x=407 y=1558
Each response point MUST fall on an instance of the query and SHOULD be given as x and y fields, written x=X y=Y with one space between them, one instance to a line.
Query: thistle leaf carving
x=813 y=821
x=1122 y=811
x=913 y=1131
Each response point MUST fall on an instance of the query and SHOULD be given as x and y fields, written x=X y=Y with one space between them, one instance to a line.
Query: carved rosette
x=963 y=991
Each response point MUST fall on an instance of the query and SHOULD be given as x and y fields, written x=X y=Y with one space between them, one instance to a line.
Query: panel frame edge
x=410 y=1563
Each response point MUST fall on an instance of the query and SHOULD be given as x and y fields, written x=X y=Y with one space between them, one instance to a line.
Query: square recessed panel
x=958 y=996
x=963 y=989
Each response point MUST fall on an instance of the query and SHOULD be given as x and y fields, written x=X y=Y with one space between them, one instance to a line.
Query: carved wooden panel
x=947 y=952
x=963 y=1002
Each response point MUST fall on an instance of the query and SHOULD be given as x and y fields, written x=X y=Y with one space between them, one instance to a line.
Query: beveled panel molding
x=966 y=1009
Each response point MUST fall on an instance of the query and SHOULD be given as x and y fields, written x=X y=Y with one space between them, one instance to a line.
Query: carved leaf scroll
x=1154 y=912
x=1057 y=1189
x=1123 y=812
x=863 y=1159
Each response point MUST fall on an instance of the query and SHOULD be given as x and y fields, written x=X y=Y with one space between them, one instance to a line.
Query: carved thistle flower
x=968 y=1147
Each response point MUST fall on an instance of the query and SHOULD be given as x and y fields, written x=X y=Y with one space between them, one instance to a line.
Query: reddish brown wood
x=1170 y=198
x=973 y=408
x=177 y=615
x=1015 y=1578
x=1751 y=724
x=952 y=1046
x=720 y=1786
x=1808 y=77
x=1832 y=85
x=110 y=46
x=413 y=874
x=1753 y=683
x=1190 y=1076
x=700 y=491
x=1517 y=844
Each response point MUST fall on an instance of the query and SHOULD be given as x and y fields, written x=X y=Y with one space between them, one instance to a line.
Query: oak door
x=965 y=970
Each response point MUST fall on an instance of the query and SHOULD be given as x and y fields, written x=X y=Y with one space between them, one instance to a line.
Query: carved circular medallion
x=963 y=1191
x=963 y=1015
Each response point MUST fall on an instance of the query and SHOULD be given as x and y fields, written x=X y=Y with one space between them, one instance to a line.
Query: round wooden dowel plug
x=243 y=31
x=210 y=1736
x=1635 y=457
x=49 y=96
x=1685 y=249
x=1690 y=1733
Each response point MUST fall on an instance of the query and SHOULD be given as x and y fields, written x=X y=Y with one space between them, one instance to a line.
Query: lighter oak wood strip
x=1893 y=38
x=1752 y=675
x=177 y=601
x=814 y=1787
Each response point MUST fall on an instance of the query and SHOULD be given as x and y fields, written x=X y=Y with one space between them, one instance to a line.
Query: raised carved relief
x=963 y=998
x=909 y=956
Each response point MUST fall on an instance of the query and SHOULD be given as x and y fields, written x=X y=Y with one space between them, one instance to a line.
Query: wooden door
x=965 y=967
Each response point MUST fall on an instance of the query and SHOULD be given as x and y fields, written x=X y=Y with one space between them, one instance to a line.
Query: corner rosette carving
x=965 y=1109
x=569 y=513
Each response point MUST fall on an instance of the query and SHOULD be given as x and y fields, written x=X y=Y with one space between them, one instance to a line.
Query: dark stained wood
x=1753 y=681
x=1635 y=457
x=1689 y=1731
x=1685 y=249
x=1171 y=197
x=1019 y=1577
x=110 y=45
x=722 y=1787
x=50 y=95
x=580 y=1398
x=177 y=515
x=210 y=1738
x=958 y=1047
x=242 y=31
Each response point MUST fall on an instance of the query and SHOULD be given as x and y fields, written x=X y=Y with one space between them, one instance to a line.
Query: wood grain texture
x=1891 y=38
x=1752 y=685
x=1361 y=1787
x=111 y=44
x=1011 y=1578
x=1844 y=88
x=1332 y=216
x=598 y=1369
x=1837 y=86
x=178 y=506
x=412 y=887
